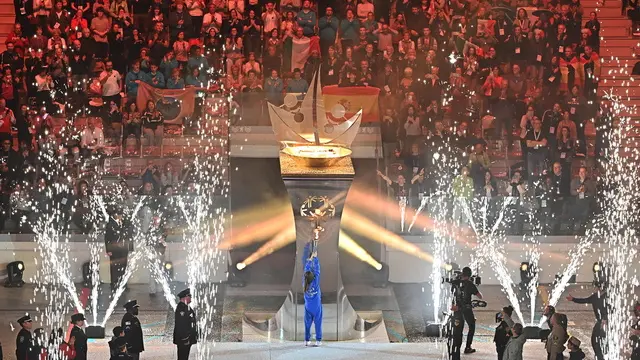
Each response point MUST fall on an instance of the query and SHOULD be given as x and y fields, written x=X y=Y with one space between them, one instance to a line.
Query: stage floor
x=402 y=314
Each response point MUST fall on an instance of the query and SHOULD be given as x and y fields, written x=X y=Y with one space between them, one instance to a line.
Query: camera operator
x=503 y=331
x=467 y=290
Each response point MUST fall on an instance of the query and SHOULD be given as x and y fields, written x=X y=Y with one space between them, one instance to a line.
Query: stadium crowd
x=464 y=77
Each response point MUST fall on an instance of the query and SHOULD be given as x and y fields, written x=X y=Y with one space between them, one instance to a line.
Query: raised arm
x=385 y=178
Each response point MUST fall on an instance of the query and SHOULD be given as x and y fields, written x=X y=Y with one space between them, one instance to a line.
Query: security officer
x=24 y=341
x=598 y=301
x=81 y=339
x=467 y=290
x=185 y=332
x=132 y=330
x=117 y=246
x=121 y=354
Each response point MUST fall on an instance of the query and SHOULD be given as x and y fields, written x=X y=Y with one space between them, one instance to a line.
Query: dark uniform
x=116 y=243
x=81 y=338
x=598 y=301
x=24 y=344
x=121 y=345
x=132 y=330
x=185 y=332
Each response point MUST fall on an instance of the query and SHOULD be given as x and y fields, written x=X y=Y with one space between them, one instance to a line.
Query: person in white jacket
x=513 y=350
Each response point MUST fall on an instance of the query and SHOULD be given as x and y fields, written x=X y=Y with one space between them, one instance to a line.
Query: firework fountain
x=619 y=202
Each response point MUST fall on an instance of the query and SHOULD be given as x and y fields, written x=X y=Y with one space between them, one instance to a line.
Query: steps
x=7 y=20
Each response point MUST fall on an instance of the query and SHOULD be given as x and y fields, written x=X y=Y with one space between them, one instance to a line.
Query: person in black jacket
x=81 y=339
x=503 y=331
x=185 y=333
x=133 y=330
x=598 y=301
x=117 y=246
x=24 y=340
x=121 y=354
x=118 y=333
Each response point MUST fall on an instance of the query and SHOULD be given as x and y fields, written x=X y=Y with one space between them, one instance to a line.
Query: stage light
x=528 y=272
x=235 y=277
x=94 y=332
x=168 y=269
x=15 y=270
x=597 y=266
x=381 y=277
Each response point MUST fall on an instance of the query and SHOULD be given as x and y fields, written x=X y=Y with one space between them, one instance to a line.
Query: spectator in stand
x=565 y=150
x=273 y=87
x=155 y=77
x=297 y=84
x=111 y=84
x=328 y=26
x=92 y=139
x=169 y=176
x=566 y=122
x=583 y=191
x=152 y=125
x=100 y=26
x=112 y=123
x=349 y=30
x=560 y=190
x=132 y=124
x=307 y=19
x=479 y=163
x=537 y=150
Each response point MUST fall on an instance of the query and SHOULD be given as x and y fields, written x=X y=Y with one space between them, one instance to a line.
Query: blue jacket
x=173 y=84
x=350 y=30
x=159 y=79
x=313 y=291
x=167 y=67
x=198 y=62
x=328 y=28
x=130 y=81
x=307 y=21
x=297 y=86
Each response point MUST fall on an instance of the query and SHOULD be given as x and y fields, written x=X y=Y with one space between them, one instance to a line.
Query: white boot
x=318 y=342
x=307 y=343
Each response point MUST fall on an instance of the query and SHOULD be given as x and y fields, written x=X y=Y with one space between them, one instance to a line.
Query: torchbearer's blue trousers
x=313 y=314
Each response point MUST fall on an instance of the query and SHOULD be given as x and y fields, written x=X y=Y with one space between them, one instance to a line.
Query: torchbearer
x=185 y=333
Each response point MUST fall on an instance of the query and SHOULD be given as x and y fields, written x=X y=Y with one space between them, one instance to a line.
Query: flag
x=301 y=48
x=487 y=26
x=186 y=97
x=353 y=99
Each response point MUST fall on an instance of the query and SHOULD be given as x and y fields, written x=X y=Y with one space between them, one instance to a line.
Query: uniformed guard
x=185 y=332
x=80 y=338
x=132 y=330
x=24 y=341
x=121 y=345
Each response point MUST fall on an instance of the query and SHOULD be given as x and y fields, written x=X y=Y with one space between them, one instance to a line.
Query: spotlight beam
x=349 y=245
x=363 y=226
x=285 y=237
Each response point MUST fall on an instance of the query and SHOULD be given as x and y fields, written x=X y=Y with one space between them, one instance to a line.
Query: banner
x=353 y=99
x=301 y=49
x=487 y=27
x=181 y=100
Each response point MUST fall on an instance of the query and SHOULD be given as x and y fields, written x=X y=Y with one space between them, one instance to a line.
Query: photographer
x=467 y=290
x=503 y=331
